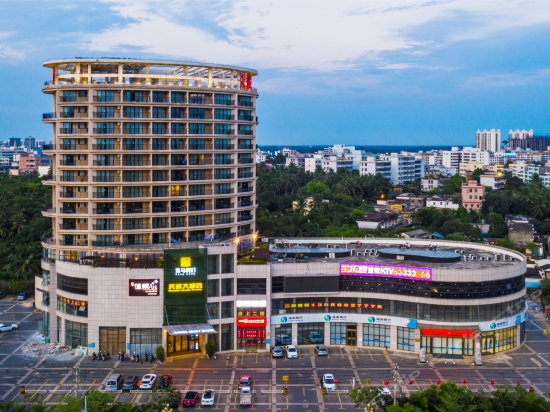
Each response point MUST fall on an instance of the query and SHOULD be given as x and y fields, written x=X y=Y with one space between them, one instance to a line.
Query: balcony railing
x=225 y=206
x=46 y=116
x=246 y=118
x=73 y=178
x=176 y=193
x=246 y=132
x=65 y=162
x=74 y=211
x=246 y=189
x=246 y=104
x=115 y=226
x=144 y=162
x=73 y=146
x=48 y=147
x=244 y=218
x=106 y=243
x=245 y=203
x=224 y=147
x=199 y=162
x=107 y=130
x=140 y=210
x=247 y=147
x=225 y=177
x=205 y=222
x=74 y=195
x=106 y=195
x=107 y=179
x=109 y=115
x=222 y=161
x=224 y=221
x=193 y=208
x=224 y=117
x=206 y=176
x=246 y=175
x=137 y=226
x=71 y=99
x=245 y=161
x=108 y=162
x=106 y=146
x=178 y=146
x=48 y=209
x=200 y=146
x=107 y=99
x=107 y=211
x=73 y=115
x=225 y=102
x=73 y=226
x=200 y=100
x=74 y=242
x=128 y=146
x=228 y=132
x=48 y=240
x=73 y=130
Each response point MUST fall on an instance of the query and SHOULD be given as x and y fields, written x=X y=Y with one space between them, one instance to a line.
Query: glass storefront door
x=440 y=345
x=183 y=343
x=351 y=335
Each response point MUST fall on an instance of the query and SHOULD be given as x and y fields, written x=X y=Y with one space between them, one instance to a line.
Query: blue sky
x=365 y=72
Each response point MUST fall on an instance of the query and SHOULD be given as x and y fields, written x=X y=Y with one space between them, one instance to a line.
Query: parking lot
x=530 y=364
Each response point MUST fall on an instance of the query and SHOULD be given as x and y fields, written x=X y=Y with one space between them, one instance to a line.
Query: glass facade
x=405 y=339
x=311 y=333
x=437 y=290
x=376 y=335
x=283 y=335
x=145 y=340
x=338 y=333
x=76 y=334
x=446 y=345
x=410 y=310
x=227 y=337
x=112 y=340
x=498 y=340
x=72 y=307
x=72 y=284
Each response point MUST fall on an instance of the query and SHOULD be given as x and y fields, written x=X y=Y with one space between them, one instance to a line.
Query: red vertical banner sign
x=249 y=82
x=53 y=76
x=243 y=81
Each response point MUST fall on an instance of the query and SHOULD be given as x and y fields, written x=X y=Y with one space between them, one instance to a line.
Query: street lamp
x=254 y=241
x=395 y=377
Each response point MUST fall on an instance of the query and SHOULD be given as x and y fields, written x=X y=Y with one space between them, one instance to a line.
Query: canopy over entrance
x=190 y=329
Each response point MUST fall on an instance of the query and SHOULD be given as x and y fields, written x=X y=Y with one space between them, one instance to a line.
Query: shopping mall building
x=154 y=199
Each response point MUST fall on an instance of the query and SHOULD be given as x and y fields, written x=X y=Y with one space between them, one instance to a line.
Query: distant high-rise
x=15 y=141
x=488 y=140
x=30 y=142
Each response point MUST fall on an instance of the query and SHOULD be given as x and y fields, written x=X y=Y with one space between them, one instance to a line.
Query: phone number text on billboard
x=393 y=271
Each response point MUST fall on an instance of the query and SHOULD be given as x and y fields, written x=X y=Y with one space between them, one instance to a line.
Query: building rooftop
x=319 y=251
x=378 y=217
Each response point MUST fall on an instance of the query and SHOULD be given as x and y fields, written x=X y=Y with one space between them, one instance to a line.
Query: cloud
x=301 y=35
x=9 y=51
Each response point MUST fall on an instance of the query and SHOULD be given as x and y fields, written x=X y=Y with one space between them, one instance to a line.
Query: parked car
x=277 y=352
x=23 y=296
x=2 y=295
x=148 y=381
x=191 y=397
x=385 y=395
x=291 y=352
x=174 y=399
x=321 y=350
x=130 y=383
x=328 y=382
x=4 y=327
x=165 y=381
x=114 y=383
x=208 y=397
x=245 y=381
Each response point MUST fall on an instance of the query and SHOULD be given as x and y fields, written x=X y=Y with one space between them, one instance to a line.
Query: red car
x=191 y=397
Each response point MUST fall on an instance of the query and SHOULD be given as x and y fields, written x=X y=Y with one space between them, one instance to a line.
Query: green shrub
x=211 y=347
x=159 y=351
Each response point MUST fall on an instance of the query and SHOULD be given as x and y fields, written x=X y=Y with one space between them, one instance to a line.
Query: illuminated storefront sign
x=67 y=301
x=333 y=305
x=251 y=322
x=393 y=271
x=185 y=268
x=251 y=313
x=185 y=287
x=143 y=287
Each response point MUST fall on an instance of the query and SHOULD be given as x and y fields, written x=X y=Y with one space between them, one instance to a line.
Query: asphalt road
x=530 y=364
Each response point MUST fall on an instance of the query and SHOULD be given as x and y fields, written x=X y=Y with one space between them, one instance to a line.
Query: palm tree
x=18 y=221
x=23 y=262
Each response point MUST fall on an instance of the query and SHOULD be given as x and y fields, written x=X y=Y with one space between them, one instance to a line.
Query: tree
x=457 y=236
x=513 y=183
x=211 y=347
x=365 y=395
x=159 y=351
x=280 y=159
x=477 y=173
x=448 y=188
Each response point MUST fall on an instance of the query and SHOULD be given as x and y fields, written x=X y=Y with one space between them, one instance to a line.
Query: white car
x=328 y=382
x=148 y=381
x=384 y=392
x=208 y=397
x=4 y=327
x=291 y=352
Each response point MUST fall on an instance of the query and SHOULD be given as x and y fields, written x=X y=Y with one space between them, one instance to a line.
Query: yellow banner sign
x=185 y=287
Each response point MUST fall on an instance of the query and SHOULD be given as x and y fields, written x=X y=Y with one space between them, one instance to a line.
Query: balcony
x=246 y=189
x=129 y=146
x=200 y=100
x=245 y=104
x=73 y=211
x=224 y=147
x=48 y=147
x=106 y=195
x=73 y=179
x=102 y=115
x=106 y=243
x=47 y=239
x=74 y=195
x=160 y=146
x=245 y=203
x=225 y=206
x=178 y=146
x=224 y=117
x=204 y=222
x=107 y=162
x=130 y=163
x=137 y=210
x=198 y=162
x=66 y=162
x=225 y=177
x=245 y=218
x=74 y=242
x=224 y=132
x=106 y=146
x=222 y=161
x=107 y=211
x=225 y=102
x=107 y=130
x=206 y=176
x=200 y=147
x=47 y=116
x=73 y=146
x=205 y=116
x=144 y=193
x=194 y=208
x=73 y=99
x=246 y=175
x=245 y=161
x=135 y=226
x=246 y=132
x=115 y=226
x=180 y=192
x=48 y=209
x=73 y=115
x=73 y=226
x=224 y=221
x=73 y=130
x=137 y=130
x=247 y=147
x=246 y=118
x=107 y=99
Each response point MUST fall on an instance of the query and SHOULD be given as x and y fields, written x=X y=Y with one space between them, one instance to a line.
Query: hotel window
x=277 y=284
x=178 y=97
x=227 y=310
x=212 y=287
x=227 y=336
x=134 y=112
x=213 y=264
x=251 y=286
x=212 y=310
x=227 y=287
x=227 y=263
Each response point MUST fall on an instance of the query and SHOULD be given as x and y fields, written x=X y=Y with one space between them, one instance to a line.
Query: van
x=114 y=383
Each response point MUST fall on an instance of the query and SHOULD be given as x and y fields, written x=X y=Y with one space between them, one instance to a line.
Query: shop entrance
x=443 y=345
x=183 y=343
x=351 y=334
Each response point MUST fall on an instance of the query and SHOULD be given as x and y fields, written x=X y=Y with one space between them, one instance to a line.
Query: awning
x=190 y=329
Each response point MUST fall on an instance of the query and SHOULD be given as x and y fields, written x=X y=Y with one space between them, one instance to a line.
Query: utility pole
x=76 y=379
x=395 y=376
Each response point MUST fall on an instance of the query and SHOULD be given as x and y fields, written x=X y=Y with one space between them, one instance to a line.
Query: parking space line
x=371 y=358
x=45 y=382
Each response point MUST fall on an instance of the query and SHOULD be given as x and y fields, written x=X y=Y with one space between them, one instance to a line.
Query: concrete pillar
x=417 y=340
x=53 y=303
x=518 y=335
x=393 y=338
x=185 y=82
x=294 y=333
x=327 y=333
x=268 y=314
x=359 y=334
x=119 y=74
x=210 y=81
x=77 y=72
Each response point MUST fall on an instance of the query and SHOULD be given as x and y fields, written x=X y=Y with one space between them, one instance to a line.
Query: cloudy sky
x=355 y=72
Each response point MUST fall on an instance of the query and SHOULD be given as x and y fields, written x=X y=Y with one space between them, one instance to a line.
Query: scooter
x=152 y=358
x=126 y=357
x=108 y=357
x=94 y=356
x=134 y=357
x=103 y=356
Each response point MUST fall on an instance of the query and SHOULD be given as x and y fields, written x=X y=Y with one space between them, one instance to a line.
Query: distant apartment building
x=451 y=158
x=29 y=142
x=526 y=140
x=472 y=154
x=32 y=162
x=299 y=160
x=466 y=169
x=404 y=168
x=488 y=140
x=543 y=172
x=372 y=165
x=440 y=202
x=473 y=194
x=495 y=181
x=519 y=169
x=15 y=142
x=432 y=183
x=327 y=162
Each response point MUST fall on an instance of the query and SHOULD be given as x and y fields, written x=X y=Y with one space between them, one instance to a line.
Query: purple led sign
x=393 y=271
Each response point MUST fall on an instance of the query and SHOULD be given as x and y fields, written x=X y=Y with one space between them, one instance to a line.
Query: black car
x=130 y=383
x=165 y=381
x=174 y=399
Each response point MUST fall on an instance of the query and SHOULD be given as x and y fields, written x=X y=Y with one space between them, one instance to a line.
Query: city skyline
x=347 y=72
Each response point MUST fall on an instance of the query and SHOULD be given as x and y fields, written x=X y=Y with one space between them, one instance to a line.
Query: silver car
x=321 y=350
